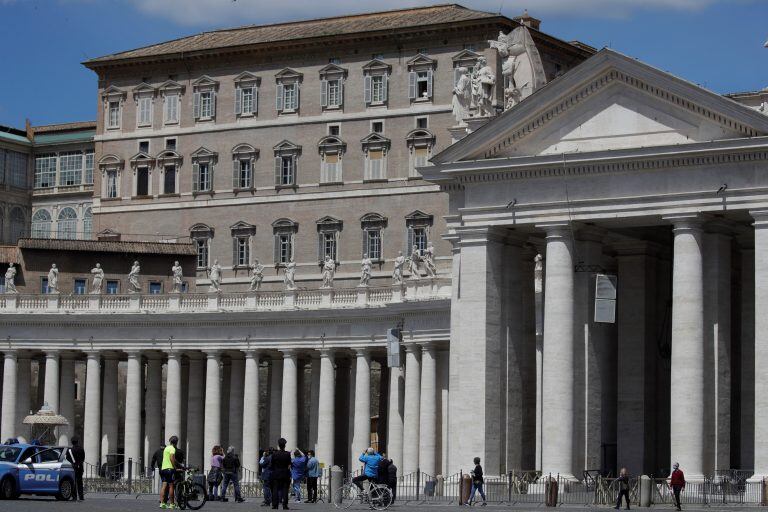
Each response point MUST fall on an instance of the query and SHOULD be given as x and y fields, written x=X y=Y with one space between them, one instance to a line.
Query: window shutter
x=324 y=93
x=341 y=91
x=238 y=101
x=456 y=76
x=279 y=97
x=412 y=85
x=196 y=105
x=276 y=248
x=195 y=177
x=278 y=170
x=320 y=248
x=296 y=100
x=213 y=103
x=365 y=243
x=234 y=251
x=384 y=87
x=429 y=83
x=236 y=173
x=294 y=168
x=255 y=96
x=211 y=169
x=409 y=241
x=367 y=88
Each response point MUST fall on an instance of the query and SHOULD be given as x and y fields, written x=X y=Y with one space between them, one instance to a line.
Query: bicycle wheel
x=346 y=496
x=195 y=497
x=380 y=497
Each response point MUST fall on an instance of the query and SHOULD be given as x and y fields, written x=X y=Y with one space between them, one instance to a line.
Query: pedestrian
x=677 y=483
x=383 y=477
x=157 y=459
x=392 y=478
x=281 y=475
x=231 y=467
x=313 y=473
x=298 y=473
x=78 y=459
x=370 y=460
x=168 y=473
x=477 y=482
x=215 y=475
x=265 y=463
x=623 y=483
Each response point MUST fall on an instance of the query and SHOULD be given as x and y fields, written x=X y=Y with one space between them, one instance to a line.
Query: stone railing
x=299 y=299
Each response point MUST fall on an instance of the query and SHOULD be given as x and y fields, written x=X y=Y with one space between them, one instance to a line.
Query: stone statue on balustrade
x=257 y=276
x=483 y=81
x=429 y=260
x=366 y=268
x=462 y=96
x=53 y=279
x=98 y=279
x=133 y=278
x=329 y=272
x=397 y=272
x=10 y=279
x=414 y=263
x=289 y=278
x=178 y=277
x=215 y=276
x=521 y=69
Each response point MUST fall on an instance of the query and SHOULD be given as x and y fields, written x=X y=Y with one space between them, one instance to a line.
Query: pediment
x=242 y=227
x=286 y=145
x=375 y=138
x=113 y=92
x=205 y=81
x=609 y=102
x=288 y=73
x=141 y=158
x=421 y=60
x=245 y=77
x=465 y=56
x=171 y=85
x=377 y=64
x=332 y=69
x=143 y=88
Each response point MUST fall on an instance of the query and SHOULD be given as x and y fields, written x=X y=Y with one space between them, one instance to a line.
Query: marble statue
x=98 y=278
x=366 y=266
x=53 y=279
x=178 y=277
x=329 y=272
x=429 y=260
x=10 y=279
x=462 y=96
x=483 y=81
x=414 y=263
x=257 y=276
x=538 y=274
x=289 y=278
x=397 y=272
x=522 y=69
x=133 y=278
x=215 y=277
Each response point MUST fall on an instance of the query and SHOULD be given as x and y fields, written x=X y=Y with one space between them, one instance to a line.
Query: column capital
x=288 y=352
x=685 y=221
x=362 y=351
x=428 y=346
x=414 y=348
x=557 y=229
x=92 y=354
x=52 y=353
x=251 y=353
x=212 y=354
x=173 y=353
x=10 y=353
x=480 y=236
x=133 y=353
x=327 y=353
x=761 y=218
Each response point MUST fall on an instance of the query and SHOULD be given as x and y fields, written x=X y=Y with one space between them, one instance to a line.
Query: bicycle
x=190 y=494
x=377 y=496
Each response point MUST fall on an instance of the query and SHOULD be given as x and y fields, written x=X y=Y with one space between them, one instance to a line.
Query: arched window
x=201 y=236
x=41 y=224
x=88 y=224
x=67 y=224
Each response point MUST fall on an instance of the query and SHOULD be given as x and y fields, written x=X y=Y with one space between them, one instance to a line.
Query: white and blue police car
x=38 y=470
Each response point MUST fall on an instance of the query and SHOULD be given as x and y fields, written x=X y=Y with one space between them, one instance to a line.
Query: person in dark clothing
x=281 y=475
x=623 y=483
x=265 y=463
x=383 y=477
x=477 y=483
x=78 y=459
x=677 y=482
x=157 y=459
x=392 y=478
x=231 y=467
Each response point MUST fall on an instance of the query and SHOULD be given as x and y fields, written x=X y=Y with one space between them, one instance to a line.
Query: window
x=155 y=288
x=331 y=150
x=142 y=181
x=377 y=93
x=287 y=97
x=80 y=286
x=334 y=60
x=204 y=98
x=332 y=79
x=246 y=94
x=70 y=168
x=44 y=285
x=45 y=171
x=332 y=90
x=376 y=76
x=170 y=144
x=113 y=114
x=113 y=106
x=112 y=184
x=19 y=224
x=417 y=225
x=169 y=179
x=328 y=229
x=243 y=179
x=171 y=110
x=375 y=147
x=144 y=146
x=202 y=252
x=241 y=243
x=88 y=168
x=420 y=143
x=144 y=111
x=334 y=129
x=286 y=170
x=201 y=236
x=205 y=106
x=291 y=97
x=422 y=122
x=284 y=231
x=66 y=225
x=375 y=165
x=88 y=224
x=377 y=126
x=420 y=77
x=169 y=161
x=41 y=224
x=247 y=100
x=203 y=164
x=286 y=163
x=113 y=287
x=16 y=169
x=243 y=158
x=373 y=225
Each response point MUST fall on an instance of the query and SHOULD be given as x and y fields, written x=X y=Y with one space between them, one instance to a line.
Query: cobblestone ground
x=98 y=503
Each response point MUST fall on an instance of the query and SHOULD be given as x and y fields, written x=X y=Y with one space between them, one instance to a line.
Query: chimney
x=29 y=130
x=528 y=20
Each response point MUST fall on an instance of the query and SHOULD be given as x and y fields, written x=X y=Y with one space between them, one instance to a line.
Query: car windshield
x=9 y=453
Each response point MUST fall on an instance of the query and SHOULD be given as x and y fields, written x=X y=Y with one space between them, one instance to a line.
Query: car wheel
x=65 y=490
x=7 y=489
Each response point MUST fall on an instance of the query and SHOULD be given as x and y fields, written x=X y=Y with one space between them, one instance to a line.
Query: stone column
x=236 y=383
x=212 y=425
x=173 y=396
x=326 y=410
x=557 y=455
x=412 y=405
x=395 y=415
x=361 y=434
x=314 y=400
x=747 y=352
x=153 y=407
x=8 y=423
x=443 y=384
x=91 y=415
x=250 y=411
x=761 y=345
x=275 y=400
x=428 y=411
x=23 y=396
x=687 y=376
x=109 y=412
x=67 y=398
x=197 y=453
x=133 y=393
x=51 y=386
x=289 y=414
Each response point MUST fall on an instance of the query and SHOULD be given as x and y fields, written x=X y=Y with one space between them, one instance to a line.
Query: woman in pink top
x=215 y=475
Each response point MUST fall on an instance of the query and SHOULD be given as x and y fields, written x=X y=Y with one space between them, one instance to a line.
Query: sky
x=715 y=43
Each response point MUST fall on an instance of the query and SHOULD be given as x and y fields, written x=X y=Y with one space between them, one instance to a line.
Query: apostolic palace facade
x=567 y=241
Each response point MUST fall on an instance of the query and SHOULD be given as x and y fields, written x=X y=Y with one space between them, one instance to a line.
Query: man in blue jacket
x=371 y=459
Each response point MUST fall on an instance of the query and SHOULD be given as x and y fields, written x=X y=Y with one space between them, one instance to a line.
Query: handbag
x=214 y=476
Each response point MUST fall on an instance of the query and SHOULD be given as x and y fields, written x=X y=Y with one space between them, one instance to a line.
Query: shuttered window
x=283 y=248
x=145 y=111
x=241 y=173
x=171 y=113
x=241 y=251
x=372 y=244
x=376 y=161
x=113 y=114
x=202 y=176
x=331 y=171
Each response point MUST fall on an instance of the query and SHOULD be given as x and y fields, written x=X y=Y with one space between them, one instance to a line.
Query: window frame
x=421 y=70
x=331 y=146
x=376 y=78
x=202 y=236
x=374 y=144
x=287 y=154
x=246 y=81
x=369 y=223
x=41 y=227
x=417 y=223
x=284 y=235
x=240 y=154
x=204 y=110
x=329 y=75
x=208 y=159
x=328 y=235
x=417 y=140
x=291 y=79
x=242 y=240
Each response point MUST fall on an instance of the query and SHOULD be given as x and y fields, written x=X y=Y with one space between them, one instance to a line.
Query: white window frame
x=331 y=148
x=240 y=154
x=286 y=156
x=114 y=114
x=246 y=84
x=45 y=166
x=284 y=241
x=288 y=80
x=375 y=143
x=418 y=140
x=171 y=107
x=421 y=70
x=65 y=159
x=144 y=110
x=204 y=94
x=203 y=177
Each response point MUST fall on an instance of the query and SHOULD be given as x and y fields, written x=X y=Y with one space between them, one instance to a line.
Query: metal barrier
x=125 y=478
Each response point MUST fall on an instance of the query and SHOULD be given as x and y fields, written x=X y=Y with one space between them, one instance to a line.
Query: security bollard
x=336 y=481
x=466 y=488
x=646 y=486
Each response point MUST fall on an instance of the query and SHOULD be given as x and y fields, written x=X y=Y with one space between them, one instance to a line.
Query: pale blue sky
x=716 y=43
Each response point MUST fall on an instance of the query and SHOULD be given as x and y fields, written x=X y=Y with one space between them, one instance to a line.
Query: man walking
x=231 y=467
x=281 y=475
x=168 y=474
x=78 y=459
x=677 y=482
x=623 y=483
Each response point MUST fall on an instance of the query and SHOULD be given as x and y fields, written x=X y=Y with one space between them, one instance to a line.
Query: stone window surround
x=241 y=152
x=203 y=155
x=331 y=145
x=241 y=230
x=284 y=227
x=110 y=163
x=329 y=73
x=137 y=161
x=282 y=150
x=421 y=64
x=204 y=84
x=169 y=88
x=373 y=68
x=144 y=90
x=373 y=222
x=242 y=81
x=416 y=220
x=419 y=138
x=285 y=77
x=165 y=158
x=202 y=232
x=328 y=226
x=109 y=95
x=375 y=142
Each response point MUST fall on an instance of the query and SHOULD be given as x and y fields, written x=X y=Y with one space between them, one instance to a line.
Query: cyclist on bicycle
x=371 y=459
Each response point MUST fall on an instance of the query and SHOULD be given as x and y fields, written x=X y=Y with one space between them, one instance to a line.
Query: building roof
x=251 y=35
x=64 y=127
x=181 y=249
x=11 y=134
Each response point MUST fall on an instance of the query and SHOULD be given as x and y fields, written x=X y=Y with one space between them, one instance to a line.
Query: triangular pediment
x=465 y=55
x=421 y=60
x=332 y=69
x=609 y=102
x=205 y=81
x=288 y=73
x=377 y=64
x=143 y=88
x=171 y=85
x=246 y=76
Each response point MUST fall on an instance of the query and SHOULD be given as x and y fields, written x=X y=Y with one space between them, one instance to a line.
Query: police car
x=40 y=470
